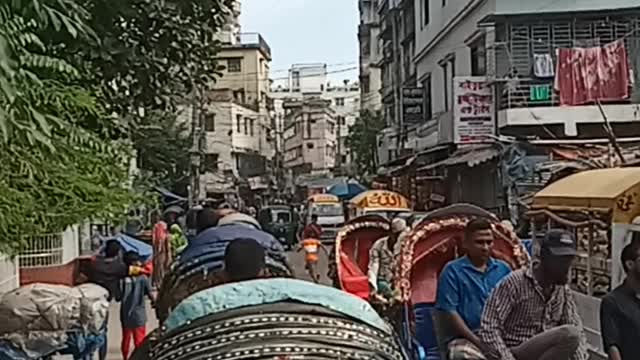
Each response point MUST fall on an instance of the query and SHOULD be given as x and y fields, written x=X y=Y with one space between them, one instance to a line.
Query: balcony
x=254 y=40
x=532 y=102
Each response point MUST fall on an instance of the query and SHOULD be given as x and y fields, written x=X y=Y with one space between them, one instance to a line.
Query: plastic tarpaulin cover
x=38 y=316
x=257 y=292
x=129 y=243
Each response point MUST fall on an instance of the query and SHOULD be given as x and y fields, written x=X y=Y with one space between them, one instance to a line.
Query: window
x=209 y=122
x=452 y=65
x=444 y=3
x=425 y=12
x=366 y=84
x=239 y=123
x=295 y=80
x=310 y=145
x=246 y=126
x=211 y=162
x=445 y=79
x=252 y=123
x=428 y=110
x=340 y=101
x=341 y=120
x=478 y=57
x=308 y=126
x=234 y=65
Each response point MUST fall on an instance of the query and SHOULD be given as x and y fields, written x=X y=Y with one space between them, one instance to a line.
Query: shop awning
x=471 y=157
x=592 y=188
x=417 y=159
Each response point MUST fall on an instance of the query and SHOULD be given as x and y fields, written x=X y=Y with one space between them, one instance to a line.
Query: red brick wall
x=62 y=274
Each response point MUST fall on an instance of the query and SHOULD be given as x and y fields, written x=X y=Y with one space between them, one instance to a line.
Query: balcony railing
x=530 y=93
x=523 y=93
x=253 y=40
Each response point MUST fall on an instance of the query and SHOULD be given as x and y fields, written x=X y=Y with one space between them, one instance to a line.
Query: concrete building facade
x=310 y=141
x=396 y=39
x=310 y=82
x=236 y=121
x=498 y=39
x=370 y=56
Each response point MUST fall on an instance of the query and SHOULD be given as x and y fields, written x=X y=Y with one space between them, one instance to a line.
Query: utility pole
x=196 y=151
x=397 y=83
x=338 y=160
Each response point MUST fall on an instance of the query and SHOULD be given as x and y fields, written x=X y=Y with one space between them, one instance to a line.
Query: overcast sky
x=306 y=31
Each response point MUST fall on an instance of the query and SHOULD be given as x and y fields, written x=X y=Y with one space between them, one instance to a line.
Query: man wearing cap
x=531 y=314
x=382 y=258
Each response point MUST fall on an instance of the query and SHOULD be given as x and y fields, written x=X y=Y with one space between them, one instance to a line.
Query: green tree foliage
x=162 y=145
x=362 y=141
x=151 y=56
x=56 y=170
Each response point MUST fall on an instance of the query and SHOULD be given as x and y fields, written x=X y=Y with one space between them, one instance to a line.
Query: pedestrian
x=382 y=258
x=244 y=259
x=133 y=312
x=463 y=289
x=531 y=314
x=313 y=230
x=178 y=240
x=620 y=310
x=160 y=244
x=107 y=270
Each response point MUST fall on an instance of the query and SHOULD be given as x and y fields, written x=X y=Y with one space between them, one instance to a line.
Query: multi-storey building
x=237 y=120
x=502 y=40
x=397 y=40
x=310 y=81
x=370 y=56
x=310 y=142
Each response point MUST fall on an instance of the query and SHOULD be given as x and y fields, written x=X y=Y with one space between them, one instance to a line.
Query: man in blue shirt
x=463 y=288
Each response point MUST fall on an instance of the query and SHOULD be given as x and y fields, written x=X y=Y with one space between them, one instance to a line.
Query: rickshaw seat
x=425 y=330
x=352 y=279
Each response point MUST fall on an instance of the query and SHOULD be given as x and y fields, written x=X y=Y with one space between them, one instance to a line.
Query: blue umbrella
x=347 y=190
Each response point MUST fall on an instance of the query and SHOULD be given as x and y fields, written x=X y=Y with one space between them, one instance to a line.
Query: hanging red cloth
x=586 y=75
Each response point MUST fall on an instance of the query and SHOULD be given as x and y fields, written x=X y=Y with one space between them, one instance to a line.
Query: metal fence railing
x=8 y=274
x=42 y=250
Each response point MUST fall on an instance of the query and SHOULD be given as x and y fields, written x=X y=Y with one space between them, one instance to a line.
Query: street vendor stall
x=600 y=207
x=378 y=202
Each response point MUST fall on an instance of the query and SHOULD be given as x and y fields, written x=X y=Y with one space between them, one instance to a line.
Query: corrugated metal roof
x=471 y=157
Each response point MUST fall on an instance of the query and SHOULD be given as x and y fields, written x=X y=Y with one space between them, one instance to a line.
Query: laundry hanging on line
x=543 y=66
x=588 y=75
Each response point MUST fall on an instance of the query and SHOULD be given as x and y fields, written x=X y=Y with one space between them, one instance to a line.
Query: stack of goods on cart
x=41 y=320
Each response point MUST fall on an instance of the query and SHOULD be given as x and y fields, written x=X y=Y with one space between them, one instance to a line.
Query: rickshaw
x=281 y=221
x=199 y=266
x=425 y=251
x=378 y=202
x=350 y=258
x=273 y=319
x=602 y=208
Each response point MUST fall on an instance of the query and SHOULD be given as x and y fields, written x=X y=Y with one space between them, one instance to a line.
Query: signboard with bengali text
x=473 y=110
x=412 y=105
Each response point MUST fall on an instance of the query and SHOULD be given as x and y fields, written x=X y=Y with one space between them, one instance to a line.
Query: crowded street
x=319 y=179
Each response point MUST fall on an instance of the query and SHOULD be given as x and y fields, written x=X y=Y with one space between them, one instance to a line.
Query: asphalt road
x=115 y=334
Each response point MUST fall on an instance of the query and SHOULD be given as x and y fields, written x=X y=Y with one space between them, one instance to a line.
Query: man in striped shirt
x=532 y=315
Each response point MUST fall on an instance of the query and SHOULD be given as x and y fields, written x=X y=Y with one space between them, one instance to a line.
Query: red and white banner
x=473 y=110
